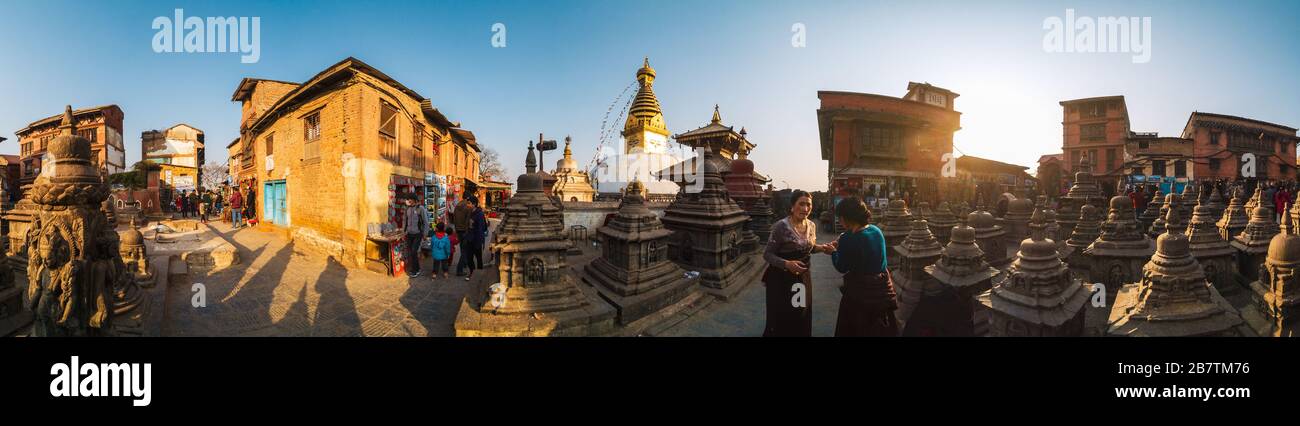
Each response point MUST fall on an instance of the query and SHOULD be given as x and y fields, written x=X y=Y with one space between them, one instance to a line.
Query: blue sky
x=566 y=61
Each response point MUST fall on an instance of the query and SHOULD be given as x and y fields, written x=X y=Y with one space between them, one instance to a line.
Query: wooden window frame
x=311 y=142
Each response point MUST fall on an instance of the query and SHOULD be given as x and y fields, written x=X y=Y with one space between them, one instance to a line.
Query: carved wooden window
x=535 y=272
x=89 y=134
x=388 y=131
x=311 y=136
x=1093 y=131
x=270 y=144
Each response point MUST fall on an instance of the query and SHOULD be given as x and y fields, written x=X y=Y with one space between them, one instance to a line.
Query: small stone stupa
x=1172 y=201
x=918 y=250
x=941 y=222
x=1083 y=191
x=536 y=295
x=1173 y=298
x=1191 y=196
x=1085 y=233
x=135 y=256
x=1252 y=243
x=571 y=183
x=708 y=234
x=633 y=272
x=1153 y=211
x=1213 y=253
x=1215 y=204
x=1037 y=296
x=962 y=269
x=990 y=236
x=1234 y=218
x=895 y=227
x=1276 y=294
x=1121 y=250
x=1016 y=221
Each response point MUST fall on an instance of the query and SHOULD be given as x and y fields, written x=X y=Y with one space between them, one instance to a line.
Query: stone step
x=178 y=271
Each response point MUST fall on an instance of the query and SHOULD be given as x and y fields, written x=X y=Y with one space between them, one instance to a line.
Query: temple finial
x=717 y=116
x=68 y=125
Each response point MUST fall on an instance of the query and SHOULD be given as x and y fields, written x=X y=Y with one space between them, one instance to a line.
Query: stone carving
x=1252 y=243
x=1173 y=298
x=919 y=250
x=895 y=227
x=990 y=236
x=1153 y=211
x=1234 y=218
x=1121 y=250
x=1037 y=296
x=941 y=222
x=77 y=283
x=962 y=270
x=1277 y=292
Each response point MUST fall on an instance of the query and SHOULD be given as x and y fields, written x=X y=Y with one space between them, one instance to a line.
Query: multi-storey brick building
x=1219 y=141
x=876 y=144
x=1096 y=128
x=327 y=157
x=179 y=150
x=101 y=125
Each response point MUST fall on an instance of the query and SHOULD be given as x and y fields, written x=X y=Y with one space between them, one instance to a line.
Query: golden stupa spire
x=568 y=153
x=645 y=112
x=717 y=116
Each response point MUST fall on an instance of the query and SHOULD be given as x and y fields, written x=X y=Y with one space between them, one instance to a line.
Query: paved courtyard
x=281 y=290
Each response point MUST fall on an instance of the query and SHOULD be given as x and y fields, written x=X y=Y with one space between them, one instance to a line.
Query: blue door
x=275 y=203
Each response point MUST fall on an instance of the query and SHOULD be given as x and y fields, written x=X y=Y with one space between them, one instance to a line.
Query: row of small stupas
x=648 y=270
x=1165 y=278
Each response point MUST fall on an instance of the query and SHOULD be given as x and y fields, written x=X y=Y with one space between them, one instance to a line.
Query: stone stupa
x=1173 y=298
x=1037 y=297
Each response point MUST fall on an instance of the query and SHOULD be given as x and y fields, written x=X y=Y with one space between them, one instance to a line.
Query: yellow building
x=327 y=158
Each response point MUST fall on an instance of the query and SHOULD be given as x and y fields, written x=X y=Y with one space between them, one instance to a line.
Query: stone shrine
x=1213 y=253
x=1173 y=298
x=571 y=183
x=1277 y=292
x=1153 y=211
x=919 y=250
x=895 y=227
x=1172 y=201
x=135 y=256
x=633 y=272
x=77 y=283
x=1121 y=250
x=708 y=230
x=941 y=222
x=990 y=236
x=1016 y=221
x=1083 y=191
x=962 y=269
x=535 y=294
x=1234 y=218
x=1253 y=242
x=1085 y=233
x=1037 y=297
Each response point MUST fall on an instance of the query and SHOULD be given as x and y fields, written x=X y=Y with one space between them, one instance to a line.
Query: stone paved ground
x=744 y=315
x=281 y=290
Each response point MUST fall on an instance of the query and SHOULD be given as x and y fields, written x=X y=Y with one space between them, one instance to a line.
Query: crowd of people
x=464 y=225
x=1280 y=194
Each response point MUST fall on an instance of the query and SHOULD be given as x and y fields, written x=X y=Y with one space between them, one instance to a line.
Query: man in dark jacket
x=474 y=235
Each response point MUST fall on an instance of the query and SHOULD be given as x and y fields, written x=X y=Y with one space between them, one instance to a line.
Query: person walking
x=205 y=206
x=460 y=222
x=216 y=204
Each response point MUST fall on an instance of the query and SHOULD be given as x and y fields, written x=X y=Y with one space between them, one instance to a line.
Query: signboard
x=546 y=145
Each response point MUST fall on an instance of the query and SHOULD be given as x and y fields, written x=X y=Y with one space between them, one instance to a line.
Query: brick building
x=179 y=151
x=879 y=144
x=989 y=179
x=1098 y=129
x=11 y=171
x=1155 y=160
x=101 y=125
x=1219 y=141
x=327 y=157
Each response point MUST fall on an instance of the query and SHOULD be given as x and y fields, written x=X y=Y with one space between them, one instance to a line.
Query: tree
x=215 y=175
x=490 y=168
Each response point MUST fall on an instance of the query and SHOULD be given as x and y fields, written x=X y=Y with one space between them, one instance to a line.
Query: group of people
x=868 y=299
x=1280 y=194
x=465 y=225
x=198 y=204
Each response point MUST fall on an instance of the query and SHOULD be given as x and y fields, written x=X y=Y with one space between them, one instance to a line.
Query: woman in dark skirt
x=789 y=284
x=868 y=301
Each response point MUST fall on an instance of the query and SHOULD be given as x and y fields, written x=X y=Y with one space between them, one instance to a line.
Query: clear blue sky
x=565 y=62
